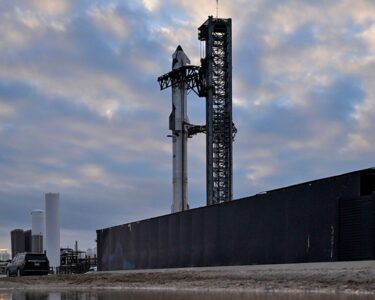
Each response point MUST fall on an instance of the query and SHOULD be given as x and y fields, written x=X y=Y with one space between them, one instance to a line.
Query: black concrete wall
x=296 y=224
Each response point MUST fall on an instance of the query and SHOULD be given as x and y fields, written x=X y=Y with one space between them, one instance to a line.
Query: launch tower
x=213 y=80
x=217 y=70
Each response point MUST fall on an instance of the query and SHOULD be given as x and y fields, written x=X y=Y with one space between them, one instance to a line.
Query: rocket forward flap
x=172 y=119
x=180 y=59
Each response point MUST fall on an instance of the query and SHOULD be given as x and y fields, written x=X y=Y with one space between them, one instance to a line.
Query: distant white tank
x=37 y=230
x=90 y=252
x=53 y=229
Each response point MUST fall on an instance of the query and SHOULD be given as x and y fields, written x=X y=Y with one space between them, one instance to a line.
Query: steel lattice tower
x=217 y=74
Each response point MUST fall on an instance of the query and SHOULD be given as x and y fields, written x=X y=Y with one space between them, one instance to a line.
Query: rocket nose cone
x=179 y=58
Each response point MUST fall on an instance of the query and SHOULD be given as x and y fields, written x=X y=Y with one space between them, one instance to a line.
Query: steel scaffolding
x=217 y=70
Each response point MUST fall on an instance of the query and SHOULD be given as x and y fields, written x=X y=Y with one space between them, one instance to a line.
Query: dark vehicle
x=28 y=264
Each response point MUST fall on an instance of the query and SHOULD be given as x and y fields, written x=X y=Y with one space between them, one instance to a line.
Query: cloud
x=151 y=5
x=369 y=37
x=107 y=18
x=53 y=8
x=6 y=109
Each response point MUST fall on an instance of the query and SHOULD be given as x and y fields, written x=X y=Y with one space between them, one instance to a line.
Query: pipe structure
x=53 y=229
x=178 y=121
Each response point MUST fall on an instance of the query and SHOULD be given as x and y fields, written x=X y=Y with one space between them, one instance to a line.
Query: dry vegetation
x=359 y=280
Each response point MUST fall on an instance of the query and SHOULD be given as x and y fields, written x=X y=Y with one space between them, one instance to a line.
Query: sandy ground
x=347 y=277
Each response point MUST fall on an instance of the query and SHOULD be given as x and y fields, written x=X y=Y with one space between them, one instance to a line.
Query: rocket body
x=178 y=124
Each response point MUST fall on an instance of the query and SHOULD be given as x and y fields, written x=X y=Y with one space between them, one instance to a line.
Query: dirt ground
x=350 y=278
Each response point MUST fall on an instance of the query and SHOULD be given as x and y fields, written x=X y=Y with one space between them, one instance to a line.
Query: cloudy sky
x=81 y=112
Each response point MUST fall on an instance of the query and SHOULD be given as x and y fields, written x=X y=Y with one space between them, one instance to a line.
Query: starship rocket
x=178 y=123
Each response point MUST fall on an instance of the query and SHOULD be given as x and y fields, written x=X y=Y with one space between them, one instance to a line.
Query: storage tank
x=27 y=234
x=53 y=229
x=90 y=252
x=17 y=237
x=37 y=230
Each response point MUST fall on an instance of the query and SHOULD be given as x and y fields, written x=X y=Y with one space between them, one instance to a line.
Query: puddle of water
x=163 y=295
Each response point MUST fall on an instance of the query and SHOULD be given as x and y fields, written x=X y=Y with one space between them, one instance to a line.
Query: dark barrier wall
x=290 y=225
x=356 y=240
